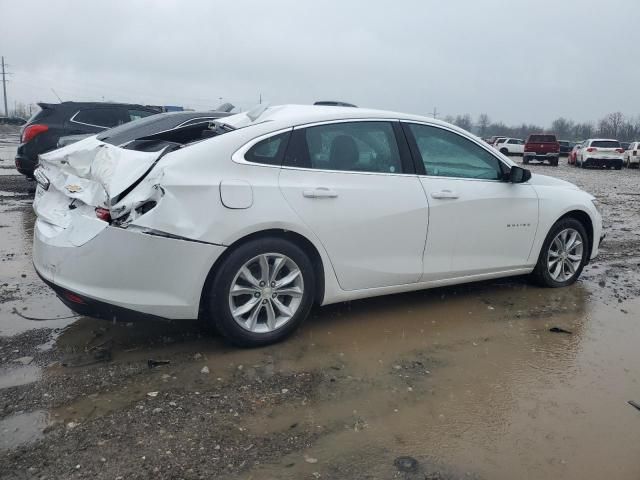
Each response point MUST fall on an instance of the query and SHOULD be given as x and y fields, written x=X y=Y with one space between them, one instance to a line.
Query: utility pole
x=4 y=89
x=435 y=112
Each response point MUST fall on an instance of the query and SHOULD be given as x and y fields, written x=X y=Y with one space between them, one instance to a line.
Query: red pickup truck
x=541 y=147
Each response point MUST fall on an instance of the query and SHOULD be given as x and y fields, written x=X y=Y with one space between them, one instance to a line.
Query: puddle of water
x=22 y=428
x=504 y=398
x=22 y=375
x=23 y=286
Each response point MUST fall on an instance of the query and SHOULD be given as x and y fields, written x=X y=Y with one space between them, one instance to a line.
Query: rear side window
x=346 y=146
x=138 y=114
x=447 y=154
x=605 y=144
x=99 y=117
x=542 y=139
x=268 y=151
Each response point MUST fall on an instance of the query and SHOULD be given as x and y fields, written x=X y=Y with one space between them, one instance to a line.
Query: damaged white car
x=248 y=223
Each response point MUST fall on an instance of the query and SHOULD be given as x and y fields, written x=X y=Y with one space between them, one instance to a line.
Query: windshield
x=542 y=138
x=605 y=144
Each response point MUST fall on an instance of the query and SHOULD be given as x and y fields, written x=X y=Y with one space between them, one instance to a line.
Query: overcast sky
x=517 y=60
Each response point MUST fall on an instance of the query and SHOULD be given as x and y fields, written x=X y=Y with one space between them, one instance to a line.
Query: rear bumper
x=122 y=273
x=541 y=156
x=25 y=165
x=602 y=162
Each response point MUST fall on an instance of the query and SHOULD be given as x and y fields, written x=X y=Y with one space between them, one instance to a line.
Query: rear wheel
x=563 y=255
x=262 y=292
x=504 y=151
x=525 y=160
x=553 y=162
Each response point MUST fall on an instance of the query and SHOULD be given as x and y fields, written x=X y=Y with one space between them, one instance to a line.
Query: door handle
x=320 y=192
x=444 y=194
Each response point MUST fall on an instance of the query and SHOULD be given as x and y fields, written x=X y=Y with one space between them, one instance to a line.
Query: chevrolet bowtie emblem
x=73 y=188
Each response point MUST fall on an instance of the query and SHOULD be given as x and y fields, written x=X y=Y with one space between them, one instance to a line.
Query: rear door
x=352 y=183
x=478 y=223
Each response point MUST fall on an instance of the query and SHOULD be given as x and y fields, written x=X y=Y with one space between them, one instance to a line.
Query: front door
x=350 y=183
x=478 y=222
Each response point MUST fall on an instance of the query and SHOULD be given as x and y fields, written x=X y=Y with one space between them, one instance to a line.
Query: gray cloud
x=518 y=61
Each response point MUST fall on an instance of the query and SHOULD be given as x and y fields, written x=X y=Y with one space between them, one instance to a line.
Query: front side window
x=268 y=151
x=99 y=117
x=447 y=154
x=349 y=146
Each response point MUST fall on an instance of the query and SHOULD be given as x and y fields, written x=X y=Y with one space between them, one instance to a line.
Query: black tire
x=554 y=162
x=618 y=167
x=541 y=274
x=525 y=160
x=504 y=151
x=218 y=308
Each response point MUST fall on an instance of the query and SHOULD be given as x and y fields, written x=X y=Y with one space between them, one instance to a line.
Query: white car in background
x=600 y=152
x=246 y=225
x=510 y=146
x=632 y=155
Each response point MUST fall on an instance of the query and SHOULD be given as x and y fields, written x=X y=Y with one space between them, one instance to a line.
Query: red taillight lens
x=32 y=131
x=103 y=214
x=620 y=150
x=591 y=149
x=72 y=297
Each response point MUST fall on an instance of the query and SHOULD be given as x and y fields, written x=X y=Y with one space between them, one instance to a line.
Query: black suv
x=41 y=132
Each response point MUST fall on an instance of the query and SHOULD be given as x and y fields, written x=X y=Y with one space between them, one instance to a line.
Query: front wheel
x=262 y=292
x=563 y=255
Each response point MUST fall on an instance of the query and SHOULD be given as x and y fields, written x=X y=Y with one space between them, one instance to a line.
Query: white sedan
x=250 y=222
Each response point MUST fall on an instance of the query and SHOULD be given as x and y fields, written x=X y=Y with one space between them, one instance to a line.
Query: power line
x=4 y=88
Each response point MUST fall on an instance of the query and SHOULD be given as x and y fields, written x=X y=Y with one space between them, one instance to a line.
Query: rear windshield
x=542 y=138
x=606 y=143
x=39 y=115
x=150 y=126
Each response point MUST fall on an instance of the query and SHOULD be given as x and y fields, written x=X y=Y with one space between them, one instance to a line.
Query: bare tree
x=483 y=124
x=562 y=127
x=464 y=121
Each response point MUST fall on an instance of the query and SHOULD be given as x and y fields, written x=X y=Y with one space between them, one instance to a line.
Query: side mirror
x=519 y=175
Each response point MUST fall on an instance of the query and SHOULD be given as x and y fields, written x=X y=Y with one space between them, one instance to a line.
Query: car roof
x=44 y=105
x=602 y=140
x=284 y=116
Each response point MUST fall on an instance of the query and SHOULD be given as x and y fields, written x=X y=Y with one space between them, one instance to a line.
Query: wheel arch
x=585 y=219
x=296 y=238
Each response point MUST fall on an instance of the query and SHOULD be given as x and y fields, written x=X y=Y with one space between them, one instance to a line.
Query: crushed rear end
x=86 y=244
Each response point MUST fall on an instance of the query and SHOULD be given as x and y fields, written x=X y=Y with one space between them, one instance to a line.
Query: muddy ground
x=452 y=383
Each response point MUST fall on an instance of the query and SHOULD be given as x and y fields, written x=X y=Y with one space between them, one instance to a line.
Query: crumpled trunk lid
x=83 y=176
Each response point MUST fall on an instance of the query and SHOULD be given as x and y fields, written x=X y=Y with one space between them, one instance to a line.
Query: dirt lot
x=453 y=383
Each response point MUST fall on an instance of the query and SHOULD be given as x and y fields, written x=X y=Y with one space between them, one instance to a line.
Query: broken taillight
x=103 y=214
x=32 y=131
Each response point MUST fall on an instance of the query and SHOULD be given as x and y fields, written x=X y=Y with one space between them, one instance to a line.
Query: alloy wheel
x=266 y=292
x=565 y=255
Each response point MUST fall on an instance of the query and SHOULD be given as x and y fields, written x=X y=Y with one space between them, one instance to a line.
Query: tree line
x=614 y=125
